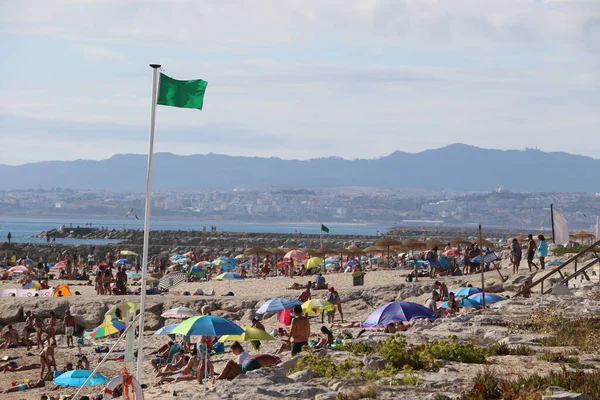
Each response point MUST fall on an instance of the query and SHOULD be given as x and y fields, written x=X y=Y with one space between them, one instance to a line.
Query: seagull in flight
x=130 y=211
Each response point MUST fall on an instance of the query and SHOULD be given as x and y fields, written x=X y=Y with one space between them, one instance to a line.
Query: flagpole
x=140 y=353
x=321 y=235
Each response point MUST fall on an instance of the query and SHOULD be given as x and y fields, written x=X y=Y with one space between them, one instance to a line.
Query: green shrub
x=503 y=349
x=452 y=350
x=557 y=358
x=356 y=348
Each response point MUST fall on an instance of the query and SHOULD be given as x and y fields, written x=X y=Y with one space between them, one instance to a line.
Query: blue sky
x=299 y=79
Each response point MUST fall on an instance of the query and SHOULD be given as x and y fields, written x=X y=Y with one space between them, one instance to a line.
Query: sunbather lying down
x=12 y=366
x=26 y=386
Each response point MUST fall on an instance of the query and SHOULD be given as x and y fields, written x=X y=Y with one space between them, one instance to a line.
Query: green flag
x=184 y=94
x=324 y=228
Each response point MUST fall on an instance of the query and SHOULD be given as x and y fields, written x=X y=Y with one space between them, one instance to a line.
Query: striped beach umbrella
x=397 y=311
x=228 y=276
x=171 y=280
x=277 y=304
x=180 y=313
x=108 y=328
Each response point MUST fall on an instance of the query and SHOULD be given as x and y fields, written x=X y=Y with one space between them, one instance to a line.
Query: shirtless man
x=121 y=281
x=304 y=296
x=11 y=338
x=47 y=361
x=531 y=246
x=299 y=331
x=69 y=325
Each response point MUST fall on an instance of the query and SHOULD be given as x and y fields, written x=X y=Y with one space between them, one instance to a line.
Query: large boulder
x=374 y=362
x=303 y=376
x=88 y=314
x=10 y=312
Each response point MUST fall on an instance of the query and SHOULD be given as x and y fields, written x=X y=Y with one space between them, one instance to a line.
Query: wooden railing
x=572 y=260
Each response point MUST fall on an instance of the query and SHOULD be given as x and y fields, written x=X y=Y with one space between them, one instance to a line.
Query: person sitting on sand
x=526 y=289
x=11 y=338
x=325 y=340
x=320 y=282
x=12 y=366
x=47 y=361
x=296 y=286
x=234 y=368
x=26 y=386
x=453 y=304
x=432 y=302
x=304 y=296
x=390 y=328
x=258 y=361
x=166 y=356
x=178 y=362
x=83 y=363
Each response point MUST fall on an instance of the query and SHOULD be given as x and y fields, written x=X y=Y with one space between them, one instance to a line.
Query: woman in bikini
x=51 y=329
x=99 y=286
x=40 y=330
x=106 y=281
x=47 y=361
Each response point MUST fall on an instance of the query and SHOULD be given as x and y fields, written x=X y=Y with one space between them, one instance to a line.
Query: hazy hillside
x=455 y=167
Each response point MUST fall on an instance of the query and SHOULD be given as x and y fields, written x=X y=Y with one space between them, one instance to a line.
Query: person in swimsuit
x=99 y=285
x=258 y=361
x=106 y=280
x=234 y=368
x=453 y=304
x=531 y=247
x=40 y=330
x=28 y=329
x=51 y=329
x=69 y=325
x=11 y=338
x=26 y=386
x=12 y=366
x=47 y=361
x=299 y=331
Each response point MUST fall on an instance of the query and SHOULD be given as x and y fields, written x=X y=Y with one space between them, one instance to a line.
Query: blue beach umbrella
x=227 y=276
x=78 y=377
x=123 y=261
x=277 y=304
x=489 y=297
x=165 y=330
x=397 y=311
x=464 y=302
x=467 y=291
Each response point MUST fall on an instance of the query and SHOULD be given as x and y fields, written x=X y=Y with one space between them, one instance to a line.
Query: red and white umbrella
x=19 y=269
x=451 y=252
x=59 y=265
x=296 y=255
x=180 y=313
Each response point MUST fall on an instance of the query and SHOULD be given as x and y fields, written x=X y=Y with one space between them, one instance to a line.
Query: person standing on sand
x=299 y=331
x=531 y=247
x=51 y=329
x=69 y=326
x=9 y=237
x=542 y=250
x=47 y=360
x=515 y=255
x=28 y=329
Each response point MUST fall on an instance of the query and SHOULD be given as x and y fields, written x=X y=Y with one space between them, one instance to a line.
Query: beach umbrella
x=171 y=280
x=33 y=285
x=197 y=272
x=207 y=325
x=281 y=264
x=165 y=330
x=28 y=261
x=19 y=269
x=229 y=260
x=489 y=297
x=487 y=258
x=249 y=334
x=451 y=253
x=314 y=262
x=256 y=251
x=78 y=377
x=387 y=242
x=108 y=328
x=326 y=250
x=374 y=249
x=128 y=253
x=123 y=261
x=219 y=262
x=204 y=264
x=296 y=255
x=179 y=313
x=238 y=257
x=277 y=251
x=277 y=304
x=315 y=306
x=176 y=257
x=313 y=252
x=397 y=311
x=467 y=291
x=464 y=302
x=228 y=276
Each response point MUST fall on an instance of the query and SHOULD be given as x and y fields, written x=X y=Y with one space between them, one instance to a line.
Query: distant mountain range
x=457 y=167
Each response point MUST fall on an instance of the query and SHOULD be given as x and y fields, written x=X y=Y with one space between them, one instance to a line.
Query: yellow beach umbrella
x=249 y=334
x=314 y=262
x=128 y=253
x=316 y=306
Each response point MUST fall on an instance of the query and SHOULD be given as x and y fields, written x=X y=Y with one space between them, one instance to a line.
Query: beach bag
x=218 y=347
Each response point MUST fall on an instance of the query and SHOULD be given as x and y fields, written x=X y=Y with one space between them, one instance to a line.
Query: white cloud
x=349 y=78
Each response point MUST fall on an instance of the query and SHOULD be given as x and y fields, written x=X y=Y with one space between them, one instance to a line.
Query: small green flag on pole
x=183 y=94
x=324 y=228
